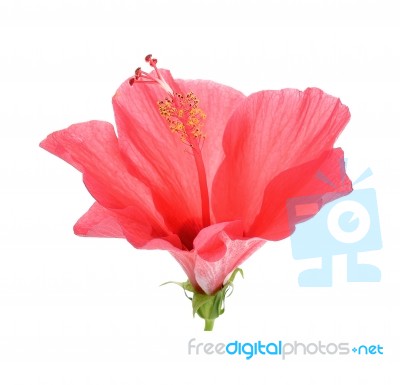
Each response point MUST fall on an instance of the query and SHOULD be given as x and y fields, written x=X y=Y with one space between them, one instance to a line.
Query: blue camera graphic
x=348 y=225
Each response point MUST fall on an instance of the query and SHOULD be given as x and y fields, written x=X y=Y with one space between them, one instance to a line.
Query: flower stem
x=208 y=325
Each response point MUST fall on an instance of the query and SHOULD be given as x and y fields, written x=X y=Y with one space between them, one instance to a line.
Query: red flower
x=203 y=171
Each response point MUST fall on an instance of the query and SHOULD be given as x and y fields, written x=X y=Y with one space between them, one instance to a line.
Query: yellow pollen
x=183 y=116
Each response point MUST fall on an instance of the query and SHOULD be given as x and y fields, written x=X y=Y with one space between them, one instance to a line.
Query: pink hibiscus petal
x=299 y=193
x=270 y=132
x=141 y=234
x=218 y=250
x=92 y=148
x=157 y=156
x=98 y=222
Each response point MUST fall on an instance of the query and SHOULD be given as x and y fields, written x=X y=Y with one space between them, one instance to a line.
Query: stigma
x=181 y=111
x=144 y=77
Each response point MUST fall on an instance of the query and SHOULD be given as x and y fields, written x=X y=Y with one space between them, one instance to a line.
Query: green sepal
x=206 y=306
x=233 y=275
x=187 y=286
x=209 y=306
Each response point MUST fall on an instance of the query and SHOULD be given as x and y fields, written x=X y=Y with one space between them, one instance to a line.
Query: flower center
x=183 y=117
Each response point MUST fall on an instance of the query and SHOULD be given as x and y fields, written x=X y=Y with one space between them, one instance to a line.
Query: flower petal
x=98 y=222
x=158 y=157
x=270 y=132
x=218 y=250
x=92 y=148
x=299 y=193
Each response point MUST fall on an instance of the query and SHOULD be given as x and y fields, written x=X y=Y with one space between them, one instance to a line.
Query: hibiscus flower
x=202 y=171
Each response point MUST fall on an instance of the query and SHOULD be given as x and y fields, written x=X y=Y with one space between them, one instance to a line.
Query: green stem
x=209 y=324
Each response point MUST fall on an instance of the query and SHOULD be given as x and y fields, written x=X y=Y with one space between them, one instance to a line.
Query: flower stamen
x=183 y=116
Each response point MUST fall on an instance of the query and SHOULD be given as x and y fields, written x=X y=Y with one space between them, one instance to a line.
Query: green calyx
x=209 y=307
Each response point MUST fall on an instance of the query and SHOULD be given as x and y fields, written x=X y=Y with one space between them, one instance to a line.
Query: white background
x=90 y=311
